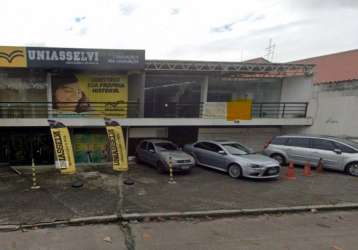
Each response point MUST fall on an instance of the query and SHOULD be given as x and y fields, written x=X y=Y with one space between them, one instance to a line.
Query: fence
x=132 y=110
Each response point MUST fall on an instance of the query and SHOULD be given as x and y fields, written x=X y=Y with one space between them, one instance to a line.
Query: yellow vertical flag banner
x=239 y=110
x=64 y=159
x=118 y=149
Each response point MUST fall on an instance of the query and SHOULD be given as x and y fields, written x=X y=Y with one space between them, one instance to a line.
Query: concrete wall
x=255 y=138
x=334 y=108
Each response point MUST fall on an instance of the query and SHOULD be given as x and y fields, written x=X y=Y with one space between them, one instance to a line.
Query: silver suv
x=336 y=153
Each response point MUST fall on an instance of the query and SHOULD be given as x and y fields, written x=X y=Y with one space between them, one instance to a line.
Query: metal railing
x=132 y=110
x=173 y=110
x=279 y=110
x=68 y=109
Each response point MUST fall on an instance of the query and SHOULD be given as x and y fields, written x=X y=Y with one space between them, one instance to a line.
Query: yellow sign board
x=13 y=57
x=118 y=149
x=64 y=158
x=101 y=94
x=239 y=110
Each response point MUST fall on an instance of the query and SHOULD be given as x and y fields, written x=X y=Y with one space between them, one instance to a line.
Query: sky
x=225 y=30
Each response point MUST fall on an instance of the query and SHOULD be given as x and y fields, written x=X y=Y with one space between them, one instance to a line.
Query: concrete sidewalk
x=326 y=231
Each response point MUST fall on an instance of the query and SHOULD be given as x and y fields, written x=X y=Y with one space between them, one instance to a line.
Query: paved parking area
x=203 y=189
x=206 y=189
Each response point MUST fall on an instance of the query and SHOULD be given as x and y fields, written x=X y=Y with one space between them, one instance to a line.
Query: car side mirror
x=221 y=152
x=337 y=151
x=152 y=151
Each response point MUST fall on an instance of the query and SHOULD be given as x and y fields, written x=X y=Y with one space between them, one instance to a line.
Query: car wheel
x=160 y=167
x=234 y=171
x=279 y=158
x=352 y=169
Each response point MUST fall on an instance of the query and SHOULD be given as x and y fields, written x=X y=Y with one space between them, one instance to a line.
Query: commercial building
x=179 y=100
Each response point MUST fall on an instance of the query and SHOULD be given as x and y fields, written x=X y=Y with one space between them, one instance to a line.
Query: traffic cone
x=307 y=169
x=320 y=166
x=291 y=172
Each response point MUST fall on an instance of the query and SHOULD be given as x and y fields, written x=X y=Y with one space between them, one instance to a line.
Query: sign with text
x=117 y=145
x=100 y=94
x=71 y=58
x=64 y=158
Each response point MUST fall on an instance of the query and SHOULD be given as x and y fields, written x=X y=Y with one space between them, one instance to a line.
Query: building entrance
x=18 y=148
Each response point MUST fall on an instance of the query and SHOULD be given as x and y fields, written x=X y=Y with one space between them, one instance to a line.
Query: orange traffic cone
x=320 y=166
x=307 y=169
x=291 y=172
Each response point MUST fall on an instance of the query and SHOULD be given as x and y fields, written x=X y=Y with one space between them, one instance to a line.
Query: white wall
x=336 y=110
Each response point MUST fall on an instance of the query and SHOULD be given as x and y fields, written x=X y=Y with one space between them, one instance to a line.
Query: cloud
x=83 y=31
x=186 y=29
x=79 y=19
x=223 y=28
x=126 y=9
x=229 y=26
x=174 y=11
x=319 y=4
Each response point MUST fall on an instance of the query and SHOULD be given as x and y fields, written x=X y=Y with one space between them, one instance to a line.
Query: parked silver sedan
x=158 y=153
x=233 y=158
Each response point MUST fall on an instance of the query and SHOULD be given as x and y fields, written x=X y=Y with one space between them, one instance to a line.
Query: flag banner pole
x=64 y=158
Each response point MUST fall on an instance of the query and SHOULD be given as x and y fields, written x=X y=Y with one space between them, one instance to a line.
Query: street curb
x=94 y=219
x=74 y=221
x=237 y=212
x=170 y=215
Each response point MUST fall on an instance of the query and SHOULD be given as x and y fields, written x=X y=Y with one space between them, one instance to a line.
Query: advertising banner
x=64 y=159
x=101 y=94
x=71 y=58
x=239 y=110
x=117 y=145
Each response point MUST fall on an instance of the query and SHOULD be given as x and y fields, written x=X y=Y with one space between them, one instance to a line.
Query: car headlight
x=255 y=166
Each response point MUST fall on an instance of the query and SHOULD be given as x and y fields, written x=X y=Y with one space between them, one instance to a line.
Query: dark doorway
x=183 y=135
x=19 y=146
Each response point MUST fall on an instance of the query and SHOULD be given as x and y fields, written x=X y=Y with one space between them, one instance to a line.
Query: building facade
x=334 y=99
x=182 y=101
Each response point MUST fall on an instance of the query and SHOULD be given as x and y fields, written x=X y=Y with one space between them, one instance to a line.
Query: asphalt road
x=331 y=231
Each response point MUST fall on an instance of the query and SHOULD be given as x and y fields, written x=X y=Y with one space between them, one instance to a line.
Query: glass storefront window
x=172 y=95
x=259 y=90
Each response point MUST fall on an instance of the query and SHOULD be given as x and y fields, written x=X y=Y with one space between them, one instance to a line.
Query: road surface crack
x=129 y=239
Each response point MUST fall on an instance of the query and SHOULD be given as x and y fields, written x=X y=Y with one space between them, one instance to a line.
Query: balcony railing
x=279 y=110
x=151 y=110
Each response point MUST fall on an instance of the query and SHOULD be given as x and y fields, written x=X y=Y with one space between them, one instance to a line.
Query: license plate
x=185 y=167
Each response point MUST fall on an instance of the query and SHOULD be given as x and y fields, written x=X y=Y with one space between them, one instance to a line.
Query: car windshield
x=349 y=142
x=166 y=146
x=236 y=149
